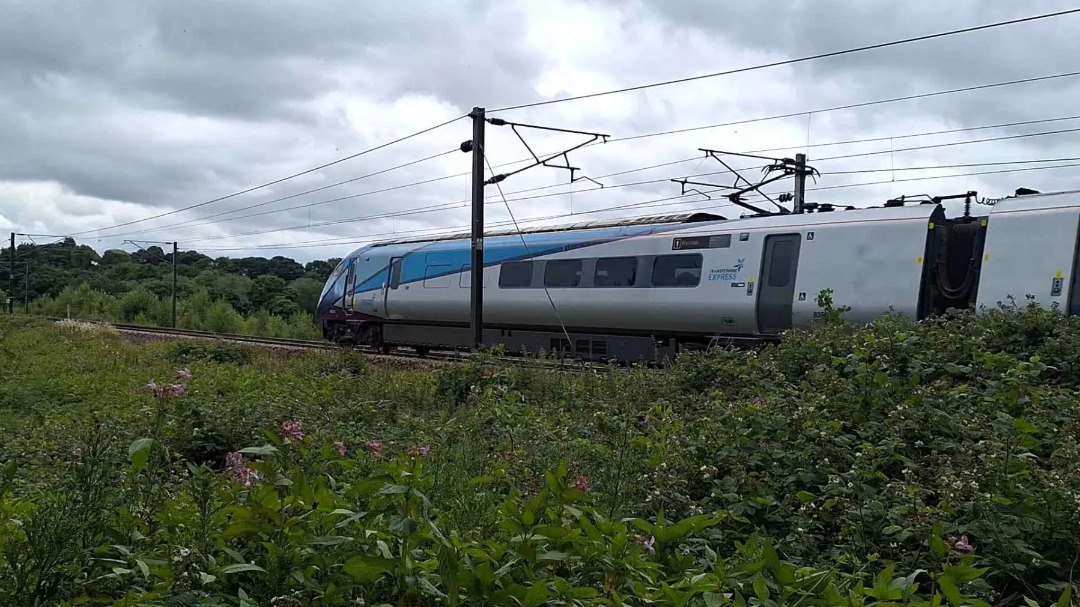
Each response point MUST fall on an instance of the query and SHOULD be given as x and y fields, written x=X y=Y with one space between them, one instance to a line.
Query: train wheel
x=422 y=350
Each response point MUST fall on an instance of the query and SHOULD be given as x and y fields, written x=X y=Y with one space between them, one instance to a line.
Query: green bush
x=186 y=351
x=896 y=463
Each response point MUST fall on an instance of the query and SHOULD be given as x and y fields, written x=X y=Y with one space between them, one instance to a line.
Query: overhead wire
x=199 y=221
x=761 y=66
x=282 y=179
x=289 y=197
x=644 y=204
x=455 y=204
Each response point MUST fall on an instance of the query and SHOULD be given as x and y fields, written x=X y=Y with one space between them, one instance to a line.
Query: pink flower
x=340 y=446
x=292 y=430
x=176 y=390
x=962 y=544
x=183 y=374
x=581 y=484
x=374 y=446
x=239 y=471
x=422 y=450
x=234 y=459
x=649 y=545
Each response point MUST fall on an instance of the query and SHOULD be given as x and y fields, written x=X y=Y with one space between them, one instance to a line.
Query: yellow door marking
x=1058 y=274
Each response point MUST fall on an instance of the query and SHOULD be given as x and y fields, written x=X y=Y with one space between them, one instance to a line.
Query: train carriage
x=644 y=289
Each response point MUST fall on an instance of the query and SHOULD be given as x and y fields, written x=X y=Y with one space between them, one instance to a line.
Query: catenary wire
x=740 y=70
x=454 y=204
x=277 y=181
x=289 y=197
x=645 y=204
x=661 y=133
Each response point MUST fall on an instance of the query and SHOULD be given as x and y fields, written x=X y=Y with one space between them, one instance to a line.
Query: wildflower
x=962 y=544
x=151 y=386
x=183 y=374
x=240 y=472
x=649 y=545
x=340 y=446
x=374 y=446
x=422 y=450
x=292 y=430
x=234 y=459
x=176 y=390
x=581 y=484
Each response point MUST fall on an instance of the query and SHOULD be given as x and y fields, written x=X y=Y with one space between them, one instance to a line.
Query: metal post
x=800 y=183
x=174 y=255
x=11 y=278
x=476 y=302
x=26 y=288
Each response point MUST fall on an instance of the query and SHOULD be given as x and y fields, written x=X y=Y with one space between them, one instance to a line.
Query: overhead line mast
x=476 y=147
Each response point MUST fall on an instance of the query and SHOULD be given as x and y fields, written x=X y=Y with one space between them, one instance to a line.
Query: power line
x=446 y=206
x=646 y=204
x=283 y=198
x=954 y=166
x=948 y=144
x=850 y=106
x=191 y=223
x=276 y=181
x=761 y=66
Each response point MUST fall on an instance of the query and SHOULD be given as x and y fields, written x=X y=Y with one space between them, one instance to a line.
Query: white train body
x=643 y=289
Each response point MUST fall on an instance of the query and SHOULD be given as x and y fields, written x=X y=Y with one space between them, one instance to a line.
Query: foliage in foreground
x=897 y=463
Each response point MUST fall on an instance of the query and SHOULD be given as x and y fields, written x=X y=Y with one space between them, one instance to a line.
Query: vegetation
x=893 y=464
x=256 y=296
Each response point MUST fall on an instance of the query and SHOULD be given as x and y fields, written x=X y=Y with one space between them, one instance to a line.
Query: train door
x=776 y=290
x=392 y=285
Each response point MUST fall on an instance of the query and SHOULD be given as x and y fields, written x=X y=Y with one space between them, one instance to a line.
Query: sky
x=115 y=117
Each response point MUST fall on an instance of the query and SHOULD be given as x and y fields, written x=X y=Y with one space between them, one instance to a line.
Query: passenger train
x=645 y=289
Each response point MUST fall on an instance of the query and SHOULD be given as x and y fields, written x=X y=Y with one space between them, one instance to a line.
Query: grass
x=894 y=463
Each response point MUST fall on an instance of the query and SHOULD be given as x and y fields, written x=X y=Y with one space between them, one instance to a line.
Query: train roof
x=583 y=225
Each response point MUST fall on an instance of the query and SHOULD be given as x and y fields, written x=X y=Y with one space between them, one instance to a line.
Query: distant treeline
x=253 y=295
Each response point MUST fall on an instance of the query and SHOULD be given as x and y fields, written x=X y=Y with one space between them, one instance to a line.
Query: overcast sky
x=114 y=112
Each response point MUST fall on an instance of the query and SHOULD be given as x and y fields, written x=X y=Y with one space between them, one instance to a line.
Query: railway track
x=436 y=356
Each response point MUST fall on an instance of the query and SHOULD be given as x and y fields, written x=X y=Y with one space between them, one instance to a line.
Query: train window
x=615 y=272
x=515 y=274
x=780 y=264
x=562 y=273
x=465 y=277
x=676 y=271
x=437 y=277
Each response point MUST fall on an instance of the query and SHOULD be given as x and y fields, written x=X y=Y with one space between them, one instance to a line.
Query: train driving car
x=645 y=289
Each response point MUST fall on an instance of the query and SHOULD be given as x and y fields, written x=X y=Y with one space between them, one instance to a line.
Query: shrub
x=186 y=351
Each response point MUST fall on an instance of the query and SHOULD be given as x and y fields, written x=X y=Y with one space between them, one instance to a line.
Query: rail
x=440 y=356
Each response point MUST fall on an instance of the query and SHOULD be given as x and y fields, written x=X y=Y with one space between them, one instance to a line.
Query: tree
x=264 y=289
x=115 y=257
x=307 y=291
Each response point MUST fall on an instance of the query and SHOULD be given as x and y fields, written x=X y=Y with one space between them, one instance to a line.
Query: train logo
x=727 y=274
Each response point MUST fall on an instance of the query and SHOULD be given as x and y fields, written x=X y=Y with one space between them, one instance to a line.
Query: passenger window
x=437 y=277
x=676 y=271
x=780 y=263
x=615 y=272
x=515 y=274
x=563 y=273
